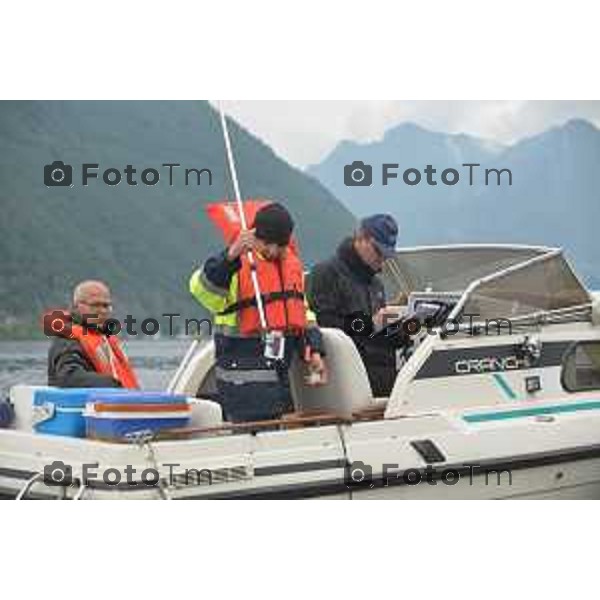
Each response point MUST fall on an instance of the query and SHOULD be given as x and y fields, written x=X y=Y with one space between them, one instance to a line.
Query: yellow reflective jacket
x=216 y=298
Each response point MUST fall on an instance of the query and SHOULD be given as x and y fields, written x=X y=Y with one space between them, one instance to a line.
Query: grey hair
x=81 y=289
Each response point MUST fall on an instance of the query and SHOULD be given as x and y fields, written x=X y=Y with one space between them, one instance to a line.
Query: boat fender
x=7 y=414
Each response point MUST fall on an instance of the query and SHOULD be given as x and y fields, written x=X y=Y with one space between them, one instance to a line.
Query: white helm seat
x=348 y=390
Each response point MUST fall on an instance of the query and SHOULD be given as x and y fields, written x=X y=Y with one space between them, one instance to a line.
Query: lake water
x=154 y=362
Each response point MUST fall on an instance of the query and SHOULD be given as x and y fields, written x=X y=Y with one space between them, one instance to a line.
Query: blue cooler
x=59 y=411
x=119 y=417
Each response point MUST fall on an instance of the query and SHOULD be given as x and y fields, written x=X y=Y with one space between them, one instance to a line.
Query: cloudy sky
x=304 y=132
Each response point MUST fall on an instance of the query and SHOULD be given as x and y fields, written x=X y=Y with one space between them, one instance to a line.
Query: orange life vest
x=281 y=282
x=105 y=354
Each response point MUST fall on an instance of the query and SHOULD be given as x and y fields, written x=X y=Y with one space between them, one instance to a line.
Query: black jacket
x=69 y=367
x=343 y=288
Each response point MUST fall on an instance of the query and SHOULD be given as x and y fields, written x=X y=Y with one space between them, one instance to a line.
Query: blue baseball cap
x=384 y=231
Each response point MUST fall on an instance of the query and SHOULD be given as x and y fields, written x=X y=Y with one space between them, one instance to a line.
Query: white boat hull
x=556 y=456
x=515 y=414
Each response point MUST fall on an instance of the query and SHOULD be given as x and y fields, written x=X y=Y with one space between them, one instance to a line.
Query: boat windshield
x=494 y=281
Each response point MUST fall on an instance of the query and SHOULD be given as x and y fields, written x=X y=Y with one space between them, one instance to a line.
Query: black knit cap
x=274 y=224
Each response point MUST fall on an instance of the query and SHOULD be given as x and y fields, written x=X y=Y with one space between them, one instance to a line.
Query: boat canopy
x=493 y=281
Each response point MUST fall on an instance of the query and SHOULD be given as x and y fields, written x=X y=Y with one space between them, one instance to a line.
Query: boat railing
x=570 y=314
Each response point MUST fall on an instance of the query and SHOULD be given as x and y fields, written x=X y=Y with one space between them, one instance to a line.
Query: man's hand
x=387 y=315
x=316 y=365
x=243 y=243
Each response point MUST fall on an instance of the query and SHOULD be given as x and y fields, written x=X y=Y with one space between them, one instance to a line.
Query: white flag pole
x=238 y=198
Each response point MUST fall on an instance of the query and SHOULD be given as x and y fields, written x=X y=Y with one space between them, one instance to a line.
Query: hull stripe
x=519 y=413
x=501 y=381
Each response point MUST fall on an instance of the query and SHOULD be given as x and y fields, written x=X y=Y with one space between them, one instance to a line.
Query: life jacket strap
x=266 y=299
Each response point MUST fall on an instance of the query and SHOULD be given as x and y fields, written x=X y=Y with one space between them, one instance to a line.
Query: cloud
x=303 y=132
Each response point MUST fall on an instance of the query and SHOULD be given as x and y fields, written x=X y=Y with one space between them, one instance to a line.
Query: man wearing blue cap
x=345 y=292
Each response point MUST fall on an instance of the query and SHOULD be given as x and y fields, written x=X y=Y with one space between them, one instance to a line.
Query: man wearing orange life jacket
x=252 y=386
x=81 y=353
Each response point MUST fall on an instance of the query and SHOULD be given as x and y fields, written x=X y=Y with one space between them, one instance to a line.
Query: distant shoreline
x=31 y=334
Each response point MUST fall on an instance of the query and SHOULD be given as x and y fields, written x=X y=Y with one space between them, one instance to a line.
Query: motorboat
x=497 y=395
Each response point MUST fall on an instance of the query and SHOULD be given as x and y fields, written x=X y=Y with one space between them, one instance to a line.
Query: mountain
x=554 y=198
x=144 y=240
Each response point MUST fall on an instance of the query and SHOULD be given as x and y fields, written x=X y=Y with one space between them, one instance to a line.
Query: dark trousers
x=251 y=387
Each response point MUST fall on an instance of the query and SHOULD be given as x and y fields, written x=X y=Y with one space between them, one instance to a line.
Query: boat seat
x=348 y=390
x=21 y=397
x=197 y=377
x=208 y=387
x=205 y=413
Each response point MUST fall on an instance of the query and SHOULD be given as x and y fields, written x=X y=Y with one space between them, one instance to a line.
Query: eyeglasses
x=98 y=305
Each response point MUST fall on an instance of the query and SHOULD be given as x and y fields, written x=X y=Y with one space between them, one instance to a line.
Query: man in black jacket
x=345 y=292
